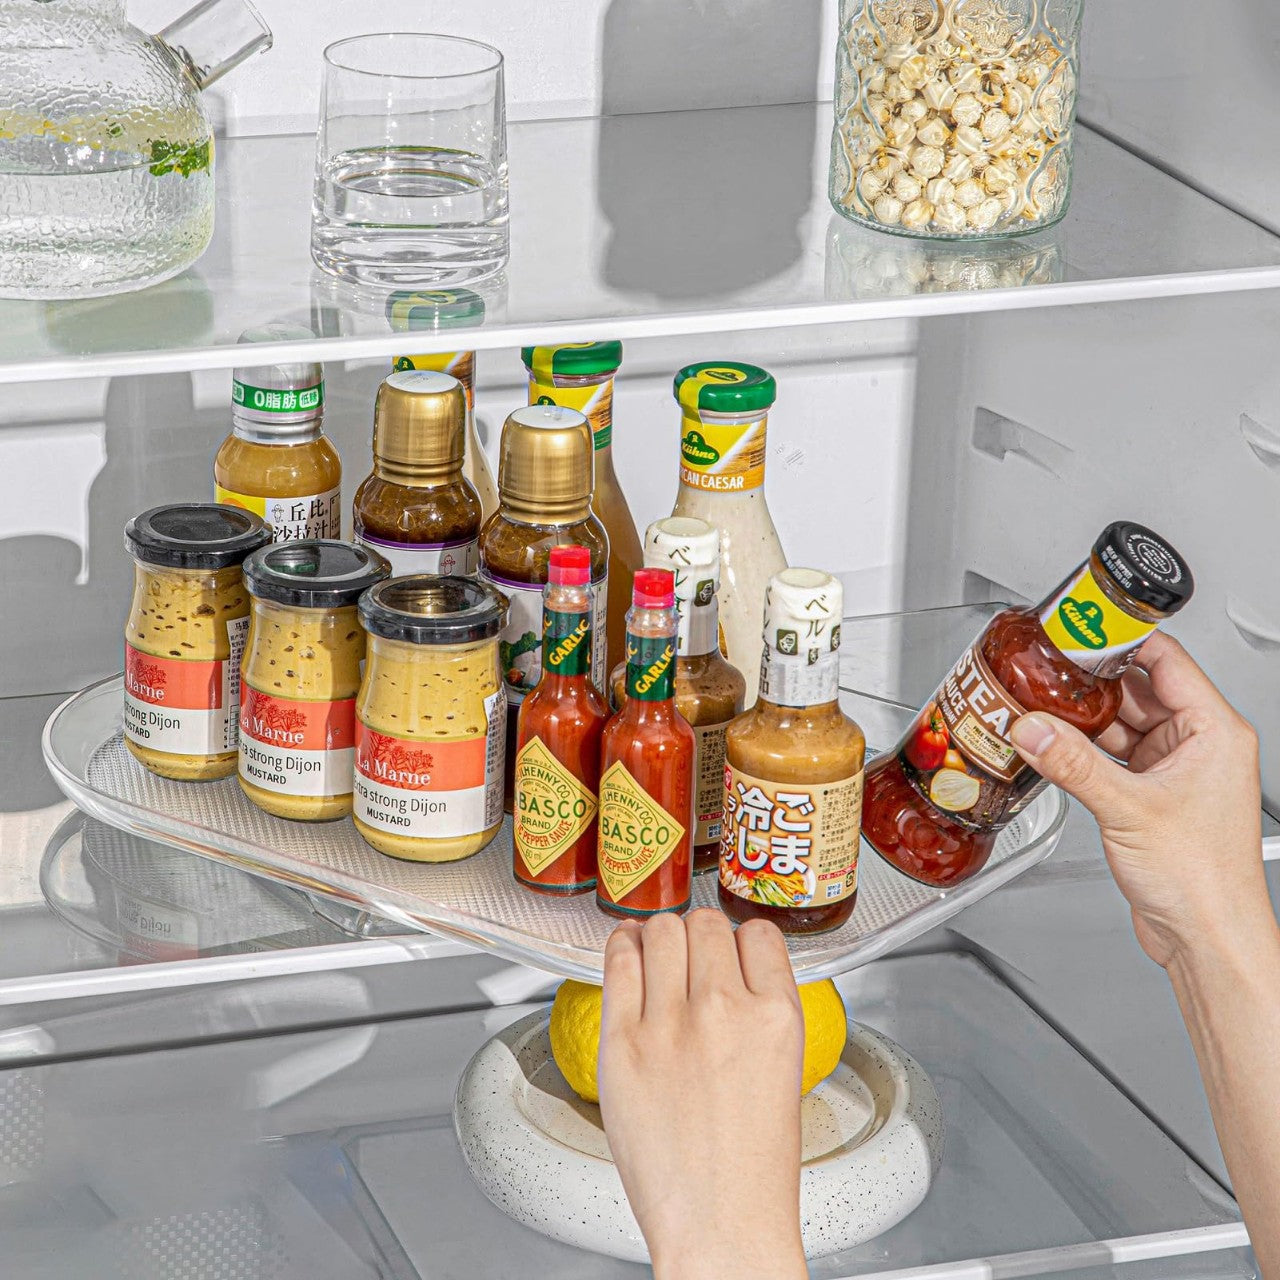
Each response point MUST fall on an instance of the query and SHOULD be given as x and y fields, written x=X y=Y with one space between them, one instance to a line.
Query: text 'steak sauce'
x=185 y=635
x=794 y=771
x=936 y=804
x=557 y=779
x=645 y=859
x=430 y=718
x=301 y=674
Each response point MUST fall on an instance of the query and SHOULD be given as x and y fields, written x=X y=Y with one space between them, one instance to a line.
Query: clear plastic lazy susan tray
x=478 y=900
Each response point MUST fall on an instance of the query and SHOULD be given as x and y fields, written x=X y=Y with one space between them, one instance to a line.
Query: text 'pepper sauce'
x=935 y=805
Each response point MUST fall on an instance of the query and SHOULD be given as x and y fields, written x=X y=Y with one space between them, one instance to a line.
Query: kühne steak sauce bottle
x=935 y=805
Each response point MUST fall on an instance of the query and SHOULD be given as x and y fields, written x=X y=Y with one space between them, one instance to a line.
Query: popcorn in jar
x=953 y=118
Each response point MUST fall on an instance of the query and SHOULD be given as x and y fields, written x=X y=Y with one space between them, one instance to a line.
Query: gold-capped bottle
x=416 y=508
x=544 y=492
x=579 y=375
x=428 y=310
x=277 y=461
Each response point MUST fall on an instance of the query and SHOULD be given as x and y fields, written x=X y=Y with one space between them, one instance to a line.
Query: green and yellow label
x=594 y=401
x=722 y=457
x=651 y=667
x=566 y=643
x=552 y=807
x=637 y=835
x=270 y=400
x=460 y=364
x=1091 y=629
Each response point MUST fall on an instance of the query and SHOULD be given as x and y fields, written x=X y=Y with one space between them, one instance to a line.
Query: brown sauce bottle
x=544 y=494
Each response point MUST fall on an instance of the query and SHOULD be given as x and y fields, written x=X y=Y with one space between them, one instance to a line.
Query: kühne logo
x=697 y=452
x=1083 y=622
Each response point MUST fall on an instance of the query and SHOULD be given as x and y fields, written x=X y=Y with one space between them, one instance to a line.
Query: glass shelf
x=644 y=225
x=477 y=900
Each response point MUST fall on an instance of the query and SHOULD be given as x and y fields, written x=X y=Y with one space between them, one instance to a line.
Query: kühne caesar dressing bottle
x=725 y=410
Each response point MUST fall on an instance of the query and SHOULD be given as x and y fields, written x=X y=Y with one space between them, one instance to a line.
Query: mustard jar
x=431 y=718
x=301 y=676
x=184 y=637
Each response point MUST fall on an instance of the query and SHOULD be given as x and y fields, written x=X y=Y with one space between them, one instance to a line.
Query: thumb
x=1064 y=756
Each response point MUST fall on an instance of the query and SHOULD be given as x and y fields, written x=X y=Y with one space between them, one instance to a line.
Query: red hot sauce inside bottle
x=935 y=805
x=645 y=858
x=557 y=777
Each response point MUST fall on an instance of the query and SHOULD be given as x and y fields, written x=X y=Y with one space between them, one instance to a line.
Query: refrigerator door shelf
x=478 y=901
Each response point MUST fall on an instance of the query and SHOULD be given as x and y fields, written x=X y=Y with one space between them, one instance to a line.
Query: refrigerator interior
x=933 y=446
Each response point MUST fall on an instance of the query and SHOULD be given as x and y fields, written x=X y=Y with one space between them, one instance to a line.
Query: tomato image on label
x=927 y=748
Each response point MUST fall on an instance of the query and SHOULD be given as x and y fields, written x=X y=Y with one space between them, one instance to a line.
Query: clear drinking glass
x=411 y=161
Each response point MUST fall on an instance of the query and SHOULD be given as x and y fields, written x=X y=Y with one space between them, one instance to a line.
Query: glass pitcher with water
x=106 y=151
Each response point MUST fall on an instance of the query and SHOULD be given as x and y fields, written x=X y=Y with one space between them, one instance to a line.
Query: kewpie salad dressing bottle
x=277 y=461
x=725 y=411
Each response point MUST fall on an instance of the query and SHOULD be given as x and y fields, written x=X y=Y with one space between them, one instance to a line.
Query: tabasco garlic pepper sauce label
x=637 y=835
x=790 y=846
x=552 y=809
x=296 y=747
x=719 y=456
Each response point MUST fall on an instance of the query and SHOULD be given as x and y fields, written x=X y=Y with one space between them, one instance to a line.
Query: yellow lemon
x=954 y=791
x=826 y=1031
x=575 y=1034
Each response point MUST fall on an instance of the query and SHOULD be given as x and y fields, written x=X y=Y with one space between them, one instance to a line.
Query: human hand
x=1181 y=825
x=700 y=1057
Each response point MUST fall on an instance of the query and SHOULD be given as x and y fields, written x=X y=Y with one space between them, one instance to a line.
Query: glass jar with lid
x=184 y=637
x=431 y=718
x=301 y=676
x=955 y=119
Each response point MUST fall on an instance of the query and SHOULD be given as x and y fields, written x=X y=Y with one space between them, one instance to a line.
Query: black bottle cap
x=428 y=609
x=313 y=574
x=195 y=535
x=1145 y=567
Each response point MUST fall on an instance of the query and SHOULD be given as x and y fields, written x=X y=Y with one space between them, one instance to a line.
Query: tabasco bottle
x=936 y=803
x=557 y=776
x=645 y=858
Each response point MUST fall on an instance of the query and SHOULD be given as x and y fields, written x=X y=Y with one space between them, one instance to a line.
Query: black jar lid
x=428 y=609
x=1145 y=567
x=195 y=535
x=318 y=573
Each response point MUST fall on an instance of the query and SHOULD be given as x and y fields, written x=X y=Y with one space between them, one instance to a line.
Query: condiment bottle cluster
x=645 y=711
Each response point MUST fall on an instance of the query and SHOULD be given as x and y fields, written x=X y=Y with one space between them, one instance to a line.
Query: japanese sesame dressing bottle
x=277 y=461
x=557 y=776
x=793 y=785
x=936 y=803
x=645 y=860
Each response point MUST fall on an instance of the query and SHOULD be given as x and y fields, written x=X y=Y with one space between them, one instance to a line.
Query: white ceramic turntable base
x=872 y=1143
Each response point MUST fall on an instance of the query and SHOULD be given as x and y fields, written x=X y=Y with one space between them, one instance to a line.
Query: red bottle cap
x=654 y=589
x=570 y=567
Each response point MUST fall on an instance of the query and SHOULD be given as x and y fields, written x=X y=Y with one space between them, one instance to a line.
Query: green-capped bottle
x=725 y=413
x=579 y=375
x=426 y=311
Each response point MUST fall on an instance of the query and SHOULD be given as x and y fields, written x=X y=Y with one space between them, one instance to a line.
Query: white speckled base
x=872 y=1145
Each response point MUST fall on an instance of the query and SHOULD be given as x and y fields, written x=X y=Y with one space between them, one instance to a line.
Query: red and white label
x=182 y=707
x=297 y=748
x=430 y=790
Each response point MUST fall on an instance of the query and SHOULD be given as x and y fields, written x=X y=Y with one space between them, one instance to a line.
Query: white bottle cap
x=681 y=541
x=802 y=611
